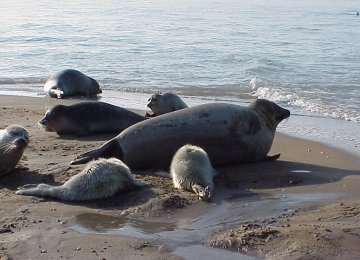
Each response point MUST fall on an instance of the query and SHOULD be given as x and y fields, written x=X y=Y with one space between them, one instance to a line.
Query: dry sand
x=41 y=228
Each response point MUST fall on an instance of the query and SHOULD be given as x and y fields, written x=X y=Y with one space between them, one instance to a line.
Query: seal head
x=13 y=141
x=164 y=103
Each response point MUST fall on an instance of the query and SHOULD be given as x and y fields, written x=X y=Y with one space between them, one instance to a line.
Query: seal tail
x=107 y=150
x=40 y=190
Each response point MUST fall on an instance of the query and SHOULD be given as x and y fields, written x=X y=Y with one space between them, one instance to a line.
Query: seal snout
x=43 y=121
x=21 y=142
x=282 y=114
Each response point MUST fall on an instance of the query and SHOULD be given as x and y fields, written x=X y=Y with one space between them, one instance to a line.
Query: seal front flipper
x=107 y=150
x=204 y=193
x=271 y=157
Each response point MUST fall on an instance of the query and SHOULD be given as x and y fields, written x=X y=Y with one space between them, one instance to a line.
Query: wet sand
x=305 y=205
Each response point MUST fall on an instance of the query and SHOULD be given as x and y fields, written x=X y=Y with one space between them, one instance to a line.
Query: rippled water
x=304 y=55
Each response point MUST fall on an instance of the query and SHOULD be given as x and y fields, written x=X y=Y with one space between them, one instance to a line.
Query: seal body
x=230 y=134
x=191 y=170
x=88 y=118
x=100 y=179
x=164 y=103
x=69 y=83
x=13 y=141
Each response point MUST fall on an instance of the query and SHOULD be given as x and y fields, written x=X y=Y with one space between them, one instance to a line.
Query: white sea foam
x=269 y=91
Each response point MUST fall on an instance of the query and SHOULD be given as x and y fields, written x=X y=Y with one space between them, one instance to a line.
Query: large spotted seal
x=69 y=83
x=164 y=103
x=13 y=141
x=100 y=179
x=191 y=169
x=86 y=118
x=230 y=134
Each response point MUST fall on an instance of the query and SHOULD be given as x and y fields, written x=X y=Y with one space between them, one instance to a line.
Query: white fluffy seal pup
x=230 y=134
x=164 y=103
x=100 y=179
x=69 y=83
x=191 y=170
x=13 y=141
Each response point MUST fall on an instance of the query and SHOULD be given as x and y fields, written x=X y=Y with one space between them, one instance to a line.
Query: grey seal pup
x=230 y=134
x=191 y=170
x=87 y=118
x=99 y=179
x=13 y=141
x=164 y=103
x=69 y=82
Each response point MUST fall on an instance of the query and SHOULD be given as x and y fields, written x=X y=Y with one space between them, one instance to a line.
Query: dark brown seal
x=88 y=118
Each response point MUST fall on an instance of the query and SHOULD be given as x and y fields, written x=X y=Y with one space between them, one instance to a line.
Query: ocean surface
x=304 y=55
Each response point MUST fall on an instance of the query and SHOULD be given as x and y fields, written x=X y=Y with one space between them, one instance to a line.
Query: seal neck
x=270 y=122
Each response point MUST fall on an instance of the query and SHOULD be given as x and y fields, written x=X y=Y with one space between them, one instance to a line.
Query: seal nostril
x=21 y=142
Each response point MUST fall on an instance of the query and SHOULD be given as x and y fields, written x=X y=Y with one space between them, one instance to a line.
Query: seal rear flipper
x=41 y=189
x=107 y=150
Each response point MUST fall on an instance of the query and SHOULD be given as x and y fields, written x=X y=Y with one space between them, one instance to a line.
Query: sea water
x=304 y=55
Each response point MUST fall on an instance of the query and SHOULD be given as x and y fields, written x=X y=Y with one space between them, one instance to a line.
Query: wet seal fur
x=87 y=118
x=164 y=103
x=230 y=134
x=13 y=141
x=100 y=179
x=69 y=82
x=191 y=170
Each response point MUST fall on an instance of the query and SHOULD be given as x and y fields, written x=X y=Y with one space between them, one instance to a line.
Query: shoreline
x=311 y=189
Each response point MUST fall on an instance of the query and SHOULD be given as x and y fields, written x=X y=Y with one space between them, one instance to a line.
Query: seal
x=99 y=179
x=69 y=82
x=88 y=118
x=230 y=134
x=13 y=141
x=164 y=103
x=191 y=170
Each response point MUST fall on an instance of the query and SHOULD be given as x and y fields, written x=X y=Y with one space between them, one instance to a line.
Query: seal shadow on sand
x=232 y=182
x=271 y=175
x=21 y=176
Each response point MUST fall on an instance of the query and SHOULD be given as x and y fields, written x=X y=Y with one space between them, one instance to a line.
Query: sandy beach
x=303 y=206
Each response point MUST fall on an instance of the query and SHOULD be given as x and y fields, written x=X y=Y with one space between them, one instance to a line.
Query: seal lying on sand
x=88 y=118
x=230 y=134
x=100 y=179
x=13 y=141
x=191 y=169
x=164 y=103
x=69 y=83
